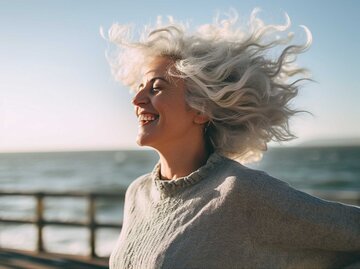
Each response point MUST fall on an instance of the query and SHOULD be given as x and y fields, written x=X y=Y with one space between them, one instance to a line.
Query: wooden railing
x=350 y=197
x=39 y=221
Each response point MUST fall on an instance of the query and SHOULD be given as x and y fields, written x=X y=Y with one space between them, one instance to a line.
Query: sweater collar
x=169 y=187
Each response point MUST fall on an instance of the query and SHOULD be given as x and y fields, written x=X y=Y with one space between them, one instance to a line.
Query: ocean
x=112 y=171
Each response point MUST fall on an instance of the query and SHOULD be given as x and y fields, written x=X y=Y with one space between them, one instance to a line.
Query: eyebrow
x=160 y=78
x=152 y=81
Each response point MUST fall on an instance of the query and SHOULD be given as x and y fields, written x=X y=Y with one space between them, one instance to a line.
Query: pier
x=40 y=257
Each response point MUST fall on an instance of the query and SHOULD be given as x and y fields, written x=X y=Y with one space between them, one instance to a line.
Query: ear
x=200 y=118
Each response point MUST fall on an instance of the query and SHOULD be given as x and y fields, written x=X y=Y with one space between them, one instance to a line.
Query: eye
x=155 y=88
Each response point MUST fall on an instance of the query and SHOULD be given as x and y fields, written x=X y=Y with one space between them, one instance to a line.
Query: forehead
x=157 y=66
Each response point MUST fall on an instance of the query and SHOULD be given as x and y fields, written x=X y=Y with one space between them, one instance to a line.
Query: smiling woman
x=167 y=123
x=202 y=100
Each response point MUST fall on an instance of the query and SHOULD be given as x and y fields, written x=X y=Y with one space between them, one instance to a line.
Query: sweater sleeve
x=129 y=203
x=287 y=217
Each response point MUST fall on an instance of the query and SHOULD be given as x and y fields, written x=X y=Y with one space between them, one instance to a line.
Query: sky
x=57 y=93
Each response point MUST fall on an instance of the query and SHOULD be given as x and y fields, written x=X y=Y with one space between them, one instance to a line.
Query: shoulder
x=255 y=187
x=142 y=183
x=244 y=178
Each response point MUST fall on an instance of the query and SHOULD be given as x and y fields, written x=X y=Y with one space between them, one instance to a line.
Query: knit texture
x=225 y=215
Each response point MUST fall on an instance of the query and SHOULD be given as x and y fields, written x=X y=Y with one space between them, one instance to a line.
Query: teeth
x=146 y=117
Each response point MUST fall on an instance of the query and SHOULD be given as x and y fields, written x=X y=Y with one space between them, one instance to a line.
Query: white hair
x=241 y=76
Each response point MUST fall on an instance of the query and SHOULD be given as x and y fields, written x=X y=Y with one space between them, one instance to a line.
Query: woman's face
x=165 y=120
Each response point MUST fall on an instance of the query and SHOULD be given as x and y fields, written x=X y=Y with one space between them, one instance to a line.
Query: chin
x=143 y=141
x=140 y=142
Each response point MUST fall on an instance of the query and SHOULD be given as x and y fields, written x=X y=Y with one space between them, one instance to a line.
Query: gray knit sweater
x=225 y=215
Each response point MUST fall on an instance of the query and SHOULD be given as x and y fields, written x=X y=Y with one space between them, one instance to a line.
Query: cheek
x=172 y=107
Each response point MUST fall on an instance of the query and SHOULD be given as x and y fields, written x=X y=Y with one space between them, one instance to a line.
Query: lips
x=147 y=118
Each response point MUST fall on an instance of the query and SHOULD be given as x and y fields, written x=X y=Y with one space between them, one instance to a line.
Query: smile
x=147 y=118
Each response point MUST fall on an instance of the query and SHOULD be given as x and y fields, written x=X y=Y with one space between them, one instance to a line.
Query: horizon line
x=149 y=149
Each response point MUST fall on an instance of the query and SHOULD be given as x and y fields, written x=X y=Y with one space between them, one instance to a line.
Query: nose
x=140 y=98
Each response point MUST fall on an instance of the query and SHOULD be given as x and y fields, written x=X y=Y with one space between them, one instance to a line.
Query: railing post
x=40 y=221
x=92 y=224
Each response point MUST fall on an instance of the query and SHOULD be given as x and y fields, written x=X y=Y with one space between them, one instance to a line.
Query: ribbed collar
x=169 y=187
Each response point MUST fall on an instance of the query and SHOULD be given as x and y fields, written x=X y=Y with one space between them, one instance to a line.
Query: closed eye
x=155 y=89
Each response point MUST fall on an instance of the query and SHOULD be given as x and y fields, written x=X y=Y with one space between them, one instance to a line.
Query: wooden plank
x=32 y=260
x=39 y=221
x=111 y=195
x=92 y=228
x=62 y=223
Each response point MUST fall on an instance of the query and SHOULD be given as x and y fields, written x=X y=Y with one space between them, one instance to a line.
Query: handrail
x=352 y=197
x=91 y=224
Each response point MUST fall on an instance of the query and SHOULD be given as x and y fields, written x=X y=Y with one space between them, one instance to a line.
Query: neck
x=180 y=161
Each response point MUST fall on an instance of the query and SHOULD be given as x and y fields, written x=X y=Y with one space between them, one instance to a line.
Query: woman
x=202 y=100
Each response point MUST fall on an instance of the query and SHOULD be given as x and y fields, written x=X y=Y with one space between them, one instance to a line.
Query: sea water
x=112 y=171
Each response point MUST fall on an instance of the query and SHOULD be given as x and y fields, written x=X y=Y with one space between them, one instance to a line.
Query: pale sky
x=56 y=91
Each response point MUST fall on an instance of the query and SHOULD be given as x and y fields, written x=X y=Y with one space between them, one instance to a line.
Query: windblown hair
x=242 y=77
